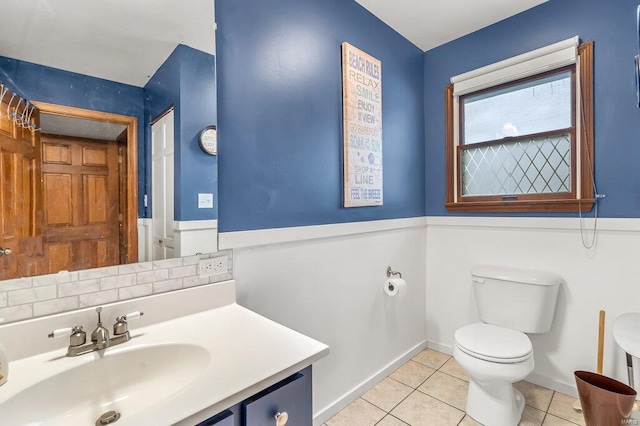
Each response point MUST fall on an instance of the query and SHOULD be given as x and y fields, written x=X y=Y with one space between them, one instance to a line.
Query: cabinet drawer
x=226 y=418
x=292 y=395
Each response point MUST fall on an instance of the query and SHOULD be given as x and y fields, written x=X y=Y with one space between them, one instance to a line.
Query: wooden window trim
x=560 y=202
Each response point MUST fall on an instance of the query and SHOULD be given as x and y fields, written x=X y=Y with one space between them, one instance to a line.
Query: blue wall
x=611 y=25
x=186 y=80
x=161 y=92
x=280 y=113
x=197 y=171
x=40 y=83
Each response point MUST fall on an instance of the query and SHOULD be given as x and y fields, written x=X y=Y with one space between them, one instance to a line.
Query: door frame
x=131 y=217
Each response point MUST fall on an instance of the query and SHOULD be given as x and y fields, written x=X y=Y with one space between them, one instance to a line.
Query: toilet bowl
x=495 y=357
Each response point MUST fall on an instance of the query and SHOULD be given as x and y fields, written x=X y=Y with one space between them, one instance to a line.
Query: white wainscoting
x=604 y=277
x=195 y=236
x=191 y=237
x=145 y=239
x=327 y=282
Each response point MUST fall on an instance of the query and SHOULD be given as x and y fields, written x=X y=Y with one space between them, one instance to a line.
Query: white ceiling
x=119 y=40
x=127 y=40
x=431 y=23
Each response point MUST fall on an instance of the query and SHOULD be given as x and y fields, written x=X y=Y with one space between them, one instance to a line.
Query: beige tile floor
x=431 y=390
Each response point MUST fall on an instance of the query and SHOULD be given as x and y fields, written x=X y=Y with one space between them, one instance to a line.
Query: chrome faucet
x=100 y=338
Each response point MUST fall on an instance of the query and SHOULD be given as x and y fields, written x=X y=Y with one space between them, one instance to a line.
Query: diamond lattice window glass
x=535 y=166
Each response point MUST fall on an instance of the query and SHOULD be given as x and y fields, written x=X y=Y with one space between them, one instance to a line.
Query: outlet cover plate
x=205 y=201
x=213 y=266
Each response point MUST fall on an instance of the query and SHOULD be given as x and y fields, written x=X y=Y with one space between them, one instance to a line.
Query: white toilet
x=496 y=353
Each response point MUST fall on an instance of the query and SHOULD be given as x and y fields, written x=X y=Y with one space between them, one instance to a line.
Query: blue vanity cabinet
x=226 y=418
x=291 y=395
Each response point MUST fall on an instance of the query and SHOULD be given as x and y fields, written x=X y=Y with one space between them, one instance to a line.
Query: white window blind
x=547 y=58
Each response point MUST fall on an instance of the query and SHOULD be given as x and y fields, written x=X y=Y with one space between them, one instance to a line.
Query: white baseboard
x=553 y=384
x=445 y=349
x=332 y=409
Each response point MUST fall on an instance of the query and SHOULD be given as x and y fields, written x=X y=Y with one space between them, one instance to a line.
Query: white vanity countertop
x=248 y=353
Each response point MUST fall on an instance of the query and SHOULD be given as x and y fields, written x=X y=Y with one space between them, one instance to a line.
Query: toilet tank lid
x=518 y=275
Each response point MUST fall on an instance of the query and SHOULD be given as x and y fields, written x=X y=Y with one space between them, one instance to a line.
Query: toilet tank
x=520 y=299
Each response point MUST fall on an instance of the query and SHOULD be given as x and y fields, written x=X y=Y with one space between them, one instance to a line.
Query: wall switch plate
x=205 y=201
x=213 y=266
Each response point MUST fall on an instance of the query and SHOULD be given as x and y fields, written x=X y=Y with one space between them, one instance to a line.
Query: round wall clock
x=208 y=140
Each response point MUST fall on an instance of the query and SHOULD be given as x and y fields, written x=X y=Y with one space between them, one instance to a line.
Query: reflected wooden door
x=20 y=201
x=81 y=202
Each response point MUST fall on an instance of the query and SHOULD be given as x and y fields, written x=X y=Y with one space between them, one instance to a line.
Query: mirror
x=122 y=90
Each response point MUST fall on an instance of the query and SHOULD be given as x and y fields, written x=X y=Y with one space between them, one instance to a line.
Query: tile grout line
x=413 y=390
x=546 y=413
x=388 y=413
x=403 y=399
x=444 y=402
x=431 y=396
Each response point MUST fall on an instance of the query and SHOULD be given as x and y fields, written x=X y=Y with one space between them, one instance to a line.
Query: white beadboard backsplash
x=25 y=298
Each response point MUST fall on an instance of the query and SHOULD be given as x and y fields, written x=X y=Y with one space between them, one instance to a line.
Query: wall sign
x=362 y=126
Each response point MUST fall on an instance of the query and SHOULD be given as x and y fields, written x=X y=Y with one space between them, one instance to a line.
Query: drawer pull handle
x=281 y=418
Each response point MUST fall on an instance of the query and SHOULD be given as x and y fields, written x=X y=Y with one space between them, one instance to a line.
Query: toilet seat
x=494 y=343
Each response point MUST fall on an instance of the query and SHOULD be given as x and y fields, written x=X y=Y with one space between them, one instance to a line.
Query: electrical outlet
x=213 y=266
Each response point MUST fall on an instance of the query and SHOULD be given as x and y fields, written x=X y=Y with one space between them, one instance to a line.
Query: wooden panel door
x=81 y=202
x=20 y=203
x=162 y=171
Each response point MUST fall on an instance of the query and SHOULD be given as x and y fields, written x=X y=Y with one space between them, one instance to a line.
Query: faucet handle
x=78 y=336
x=121 y=326
x=61 y=332
x=130 y=316
x=133 y=315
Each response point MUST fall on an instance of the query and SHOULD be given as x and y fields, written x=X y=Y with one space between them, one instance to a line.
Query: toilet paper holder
x=391 y=273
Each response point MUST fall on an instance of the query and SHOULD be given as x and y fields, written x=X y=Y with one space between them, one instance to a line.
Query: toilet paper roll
x=393 y=286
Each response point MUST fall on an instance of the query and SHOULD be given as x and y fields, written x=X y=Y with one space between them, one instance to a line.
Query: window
x=520 y=133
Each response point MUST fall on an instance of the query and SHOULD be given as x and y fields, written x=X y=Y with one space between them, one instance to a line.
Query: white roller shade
x=547 y=58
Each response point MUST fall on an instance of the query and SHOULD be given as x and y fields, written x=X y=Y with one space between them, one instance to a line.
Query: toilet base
x=495 y=404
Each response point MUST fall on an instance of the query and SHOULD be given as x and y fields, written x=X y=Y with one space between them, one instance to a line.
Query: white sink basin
x=124 y=379
x=182 y=365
